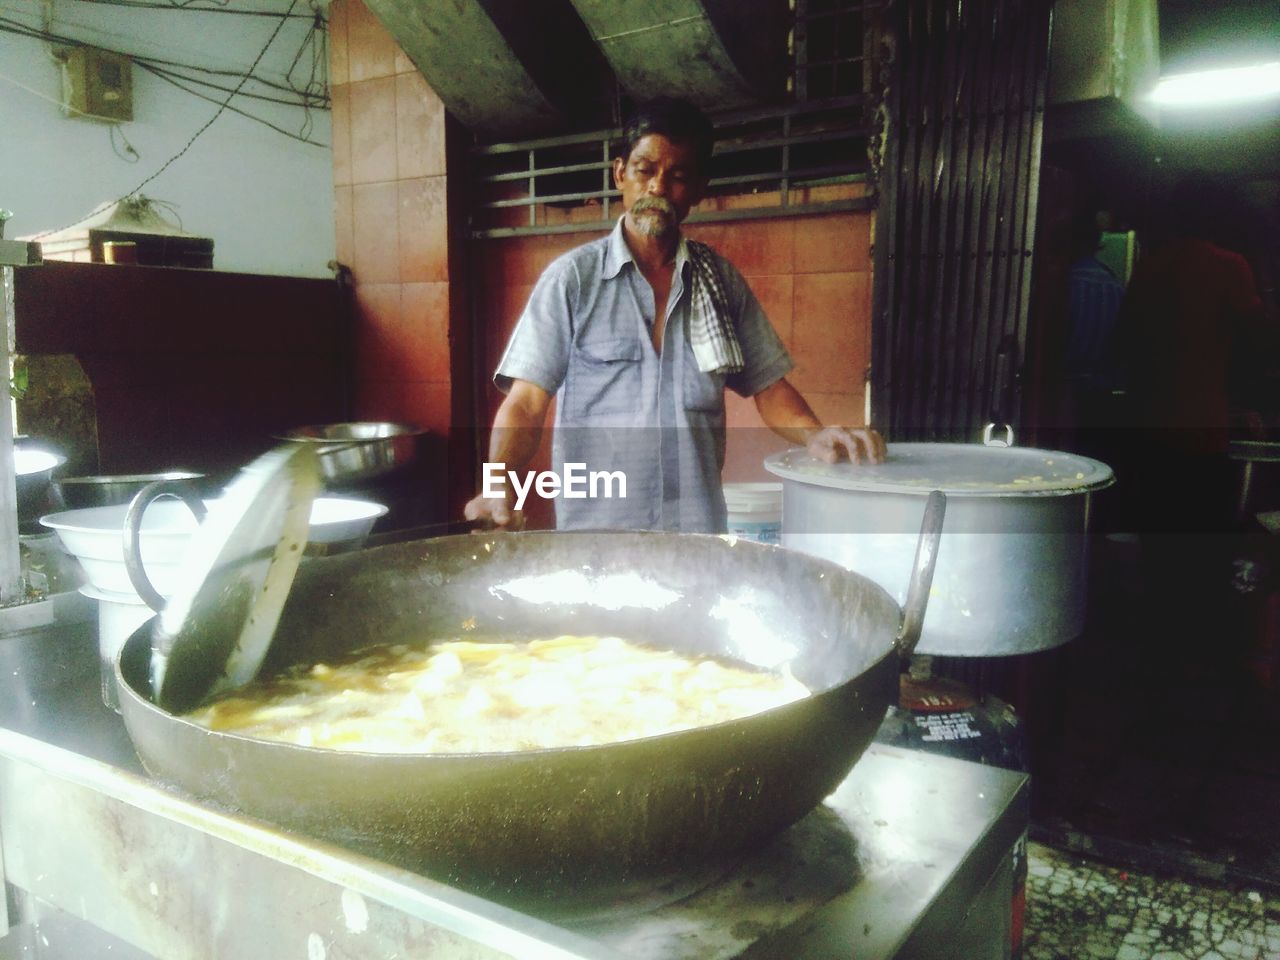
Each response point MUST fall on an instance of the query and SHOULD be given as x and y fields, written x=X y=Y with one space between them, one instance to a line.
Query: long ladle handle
x=935 y=509
x=153 y=491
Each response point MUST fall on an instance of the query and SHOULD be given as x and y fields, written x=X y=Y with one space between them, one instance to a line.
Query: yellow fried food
x=466 y=696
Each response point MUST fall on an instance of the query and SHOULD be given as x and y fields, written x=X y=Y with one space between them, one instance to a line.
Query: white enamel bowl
x=95 y=537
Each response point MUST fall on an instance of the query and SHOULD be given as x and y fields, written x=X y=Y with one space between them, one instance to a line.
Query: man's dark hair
x=677 y=120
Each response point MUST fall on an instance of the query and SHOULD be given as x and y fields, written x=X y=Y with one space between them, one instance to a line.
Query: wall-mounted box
x=97 y=85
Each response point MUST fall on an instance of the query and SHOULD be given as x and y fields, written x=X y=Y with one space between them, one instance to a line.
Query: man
x=637 y=335
x=1092 y=369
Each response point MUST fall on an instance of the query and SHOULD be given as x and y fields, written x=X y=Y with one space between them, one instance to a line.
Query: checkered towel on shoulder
x=715 y=343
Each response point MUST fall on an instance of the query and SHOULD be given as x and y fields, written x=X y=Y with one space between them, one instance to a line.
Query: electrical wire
x=309 y=100
x=226 y=106
x=222 y=7
x=314 y=85
x=195 y=136
x=129 y=154
x=44 y=96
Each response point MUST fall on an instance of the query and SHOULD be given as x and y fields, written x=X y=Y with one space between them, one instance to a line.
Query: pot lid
x=957 y=469
x=235 y=576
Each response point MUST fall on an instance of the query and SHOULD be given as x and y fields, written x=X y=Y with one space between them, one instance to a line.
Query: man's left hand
x=858 y=444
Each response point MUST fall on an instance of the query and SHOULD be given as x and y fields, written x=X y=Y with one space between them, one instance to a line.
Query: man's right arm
x=516 y=436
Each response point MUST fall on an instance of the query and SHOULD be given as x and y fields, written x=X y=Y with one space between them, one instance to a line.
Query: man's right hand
x=495 y=510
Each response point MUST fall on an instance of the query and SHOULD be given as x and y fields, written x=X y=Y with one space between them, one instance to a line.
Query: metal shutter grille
x=955 y=230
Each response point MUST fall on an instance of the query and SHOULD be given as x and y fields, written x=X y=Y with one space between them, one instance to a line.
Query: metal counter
x=910 y=857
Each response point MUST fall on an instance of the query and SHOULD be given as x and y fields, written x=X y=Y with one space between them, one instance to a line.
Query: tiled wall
x=391 y=211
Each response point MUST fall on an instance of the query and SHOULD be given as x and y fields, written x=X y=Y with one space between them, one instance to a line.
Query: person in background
x=1190 y=305
x=636 y=335
x=1091 y=365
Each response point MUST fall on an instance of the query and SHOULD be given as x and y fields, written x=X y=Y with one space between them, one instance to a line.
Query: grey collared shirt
x=622 y=405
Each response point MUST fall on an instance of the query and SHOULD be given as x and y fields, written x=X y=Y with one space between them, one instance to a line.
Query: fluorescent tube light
x=1229 y=85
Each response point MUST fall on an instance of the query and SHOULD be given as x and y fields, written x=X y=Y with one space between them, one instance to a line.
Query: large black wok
x=572 y=828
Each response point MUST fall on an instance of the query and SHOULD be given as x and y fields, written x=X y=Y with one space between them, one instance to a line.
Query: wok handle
x=935 y=509
x=183 y=490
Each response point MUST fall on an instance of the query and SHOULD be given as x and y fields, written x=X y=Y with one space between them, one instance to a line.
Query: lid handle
x=185 y=491
x=989 y=441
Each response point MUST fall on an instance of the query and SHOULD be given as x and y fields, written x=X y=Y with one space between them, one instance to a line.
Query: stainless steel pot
x=573 y=829
x=1012 y=564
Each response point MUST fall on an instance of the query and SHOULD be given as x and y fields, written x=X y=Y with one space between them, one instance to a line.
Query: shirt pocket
x=703 y=392
x=605 y=377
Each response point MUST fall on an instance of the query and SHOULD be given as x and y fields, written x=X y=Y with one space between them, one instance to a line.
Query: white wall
x=265 y=199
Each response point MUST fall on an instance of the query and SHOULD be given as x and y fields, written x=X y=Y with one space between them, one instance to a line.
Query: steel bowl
x=351 y=452
x=108 y=491
x=32 y=472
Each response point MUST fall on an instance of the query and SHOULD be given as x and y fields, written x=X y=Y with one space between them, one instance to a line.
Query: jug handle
x=152 y=492
x=913 y=611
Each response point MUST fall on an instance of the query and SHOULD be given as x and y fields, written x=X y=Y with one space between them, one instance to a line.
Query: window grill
x=833 y=45
x=804 y=158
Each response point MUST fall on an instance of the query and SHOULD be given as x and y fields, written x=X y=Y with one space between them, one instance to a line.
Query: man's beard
x=654 y=217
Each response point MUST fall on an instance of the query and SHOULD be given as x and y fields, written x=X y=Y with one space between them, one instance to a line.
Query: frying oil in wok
x=463 y=696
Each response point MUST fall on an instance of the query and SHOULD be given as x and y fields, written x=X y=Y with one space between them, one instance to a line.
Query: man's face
x=660 y=183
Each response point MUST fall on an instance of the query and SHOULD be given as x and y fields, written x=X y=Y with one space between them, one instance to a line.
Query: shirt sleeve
x=538 y=350
x=765 y=359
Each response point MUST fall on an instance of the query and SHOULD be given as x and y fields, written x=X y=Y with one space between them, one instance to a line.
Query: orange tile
x=428 y=405
x=829 y=336
x=740 y=412
x=343 y=225
x=758 y=247
x=503 y=311
x=424 y=229
x=423 y=340
x=512 y=299
x=746 y=448
x=339 y=71
x=838 y=409
x=419 y=128
x=373 y=130
x=741 y=201
x=371 y=52
x=375 y=218
x=378 y=332
x=712 y=234
x=827 y=192
x=521 y=260
x=377 y=400
x=833 y=243
x=340 y=125
x=775 y=295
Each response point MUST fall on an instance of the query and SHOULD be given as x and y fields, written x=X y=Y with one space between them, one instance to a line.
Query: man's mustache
x=658 y=204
